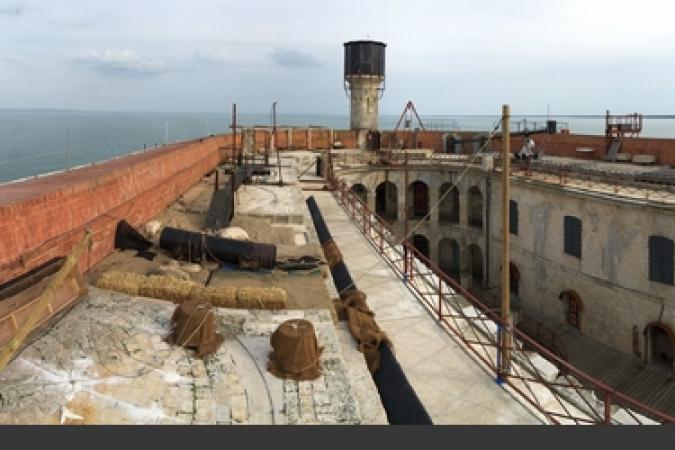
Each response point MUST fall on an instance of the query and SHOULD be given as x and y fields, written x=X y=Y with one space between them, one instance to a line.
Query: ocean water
x=34 y=142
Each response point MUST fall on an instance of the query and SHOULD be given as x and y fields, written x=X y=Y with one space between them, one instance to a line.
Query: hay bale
x=171 y=271
x=223 y=297
x=261 y=298
x=117 y=280
x=167 y=288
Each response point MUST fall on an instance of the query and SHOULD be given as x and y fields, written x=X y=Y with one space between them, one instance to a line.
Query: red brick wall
x=43 y=218
x=564 y=144
x=349 y=139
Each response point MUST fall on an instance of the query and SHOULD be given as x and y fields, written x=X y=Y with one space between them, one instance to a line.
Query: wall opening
x=661 y=344
x=421 y=243
x=448 y=209
x=476 y=266
x=514 y=279
x=418 y=193
x=573 y=308
x=448 y=257
x=572 y=235
x=386 y=201
x=475 y=207
x=361 y=192
x=660 y=259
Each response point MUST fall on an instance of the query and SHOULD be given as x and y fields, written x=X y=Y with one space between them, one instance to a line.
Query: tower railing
x=555 y=390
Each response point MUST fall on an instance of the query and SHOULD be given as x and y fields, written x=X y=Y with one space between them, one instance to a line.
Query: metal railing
x=556 y=391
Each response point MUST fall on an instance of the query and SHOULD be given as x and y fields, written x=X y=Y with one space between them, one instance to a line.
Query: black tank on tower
x=364 y=82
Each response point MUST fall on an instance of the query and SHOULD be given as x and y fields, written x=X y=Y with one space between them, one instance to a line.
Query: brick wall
x=43 y=218
x=565 y=144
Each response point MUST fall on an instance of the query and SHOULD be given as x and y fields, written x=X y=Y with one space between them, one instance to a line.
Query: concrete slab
x=452 y=387
x=106 y=362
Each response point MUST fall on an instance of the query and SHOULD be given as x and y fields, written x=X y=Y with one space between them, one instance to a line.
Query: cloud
x=209 y=59
x=294 y=59
x=15 y=11
x=68 y=24
x=122 y=63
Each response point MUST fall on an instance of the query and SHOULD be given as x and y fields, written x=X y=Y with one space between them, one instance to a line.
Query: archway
x=448 y=257
x=661 y=344
x=476 y=265
x=421 y=243
x=573 y=308
x=448 y=209
x=418 y=193
x=361 y=192
x=475 y=207
x=386 y=199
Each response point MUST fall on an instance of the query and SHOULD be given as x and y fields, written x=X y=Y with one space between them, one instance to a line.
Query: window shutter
x=572 y=235
x=661 y=259
x=513 y=217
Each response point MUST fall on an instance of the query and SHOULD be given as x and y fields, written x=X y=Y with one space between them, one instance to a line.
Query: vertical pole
x=506 y=257
x=405 y=210
x=235 y=155
x=274 y=138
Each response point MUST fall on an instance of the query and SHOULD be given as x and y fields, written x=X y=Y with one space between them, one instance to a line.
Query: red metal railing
x=559 y=392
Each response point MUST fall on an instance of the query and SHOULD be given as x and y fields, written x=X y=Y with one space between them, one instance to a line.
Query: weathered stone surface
x=107 y=362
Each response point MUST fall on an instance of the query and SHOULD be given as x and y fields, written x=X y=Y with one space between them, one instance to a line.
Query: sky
x=449 y=57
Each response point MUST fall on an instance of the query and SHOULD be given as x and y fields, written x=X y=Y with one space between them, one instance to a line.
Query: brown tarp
x=295 y=351
x=193 y=326
x=332 y=253
x=362 y=325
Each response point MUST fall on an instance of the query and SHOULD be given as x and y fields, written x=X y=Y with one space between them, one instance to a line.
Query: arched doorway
x=448 y=209
x=361 y=192
x=448 y=257
x=514 y=279
x=573 y=308
x=418 y=193
x=476 y=265
x=421 y=243
x=661 y=344
x=475 y=207
x=386 y=199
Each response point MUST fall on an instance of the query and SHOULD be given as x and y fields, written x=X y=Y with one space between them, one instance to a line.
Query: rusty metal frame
x=574 y=397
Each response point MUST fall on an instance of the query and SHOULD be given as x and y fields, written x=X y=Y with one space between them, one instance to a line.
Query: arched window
x=661 y=259
x=475 y=207
x=418 y=194
x=361 y=192
x=661 y=342
x=476 y=265
x=386 y=201
x=448 y=209
x=421 y=243
x=448 y=257
x=573 y=308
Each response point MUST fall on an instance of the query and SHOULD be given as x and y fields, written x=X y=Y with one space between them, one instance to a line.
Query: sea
x=35 y=142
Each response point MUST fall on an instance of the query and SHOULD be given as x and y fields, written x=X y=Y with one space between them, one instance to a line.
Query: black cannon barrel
x=193 y=246
x=399 y=399
x=319 y=224
x=342 y=278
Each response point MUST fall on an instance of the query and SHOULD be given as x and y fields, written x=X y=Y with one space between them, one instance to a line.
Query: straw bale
x=167 y=288
x=224 y=297
x=125 y=282
x=261 y=298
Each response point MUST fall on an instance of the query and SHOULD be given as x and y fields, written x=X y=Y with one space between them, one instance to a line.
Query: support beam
x=506 y=338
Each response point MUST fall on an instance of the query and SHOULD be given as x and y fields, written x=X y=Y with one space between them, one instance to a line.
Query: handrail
x=579 y=397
